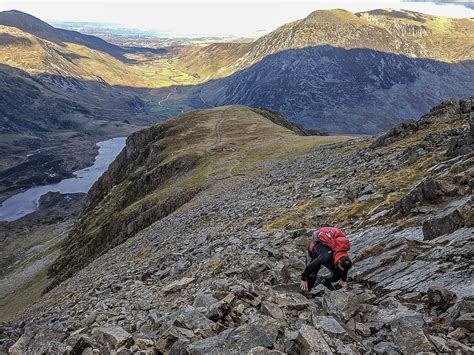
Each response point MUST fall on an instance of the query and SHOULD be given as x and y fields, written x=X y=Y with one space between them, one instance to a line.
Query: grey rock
x=341 y=304
x=440 y=297
x=218 y=310
x=331 y=327
x=363 y=329
x=272 y=310
x=204 y=300
x=179 y=347
x=425 y=191
x=386 y=348
x=259 y=332
x=177 y=285
x=408 y=334
x=113 y=336
x=445 y=223
x=466 y=321
x=311 y=341
x=79 y=343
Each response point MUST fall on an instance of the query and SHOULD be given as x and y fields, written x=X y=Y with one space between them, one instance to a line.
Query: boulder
x=311 y=341
x=79 y=343
x=188 y=317
x=272 y=310
x=444 y=223
x=426 y=191
x=39 y=340
x=440 y=297
x=178 y=285
x=408 y=334
x=386 y=348
x=466 y=321
x=258 y=332
x=203 y=299
x=170 y=336
x=218 y=310
x=113 y=336
x=363 y=329
x=463 y=306
x=341 y=304
x=179 y=347
x=331 y=327
x=292 y=301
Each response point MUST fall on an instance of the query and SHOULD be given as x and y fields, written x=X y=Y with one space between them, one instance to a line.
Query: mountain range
x=194 y=239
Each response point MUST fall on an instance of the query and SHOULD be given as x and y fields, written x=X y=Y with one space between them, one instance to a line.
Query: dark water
x=26 y=202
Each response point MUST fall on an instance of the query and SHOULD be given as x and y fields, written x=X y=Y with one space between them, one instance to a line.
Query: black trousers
x=327 y=281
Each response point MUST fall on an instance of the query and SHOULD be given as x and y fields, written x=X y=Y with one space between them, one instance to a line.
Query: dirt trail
x=218 y=140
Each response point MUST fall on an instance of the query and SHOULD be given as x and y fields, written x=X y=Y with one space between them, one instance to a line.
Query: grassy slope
x=34 y=55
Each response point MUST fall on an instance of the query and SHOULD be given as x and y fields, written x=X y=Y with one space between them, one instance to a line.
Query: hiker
x=329 y=248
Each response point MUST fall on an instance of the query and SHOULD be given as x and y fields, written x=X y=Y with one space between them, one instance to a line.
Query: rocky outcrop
x=425 y=192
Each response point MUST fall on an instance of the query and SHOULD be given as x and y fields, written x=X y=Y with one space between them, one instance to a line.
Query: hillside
x=358 y=91
x=38 y=28
x=50 y=125
x=36 y=47
x=337 y=71
x=165 y=167
x=218 y=271
x=403 y=32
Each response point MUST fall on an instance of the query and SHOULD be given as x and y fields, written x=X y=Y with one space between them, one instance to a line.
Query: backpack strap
x=311 y=249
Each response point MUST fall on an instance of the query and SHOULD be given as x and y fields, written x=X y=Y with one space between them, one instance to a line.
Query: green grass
x=23 y=296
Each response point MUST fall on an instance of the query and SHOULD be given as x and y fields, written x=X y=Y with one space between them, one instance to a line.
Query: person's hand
x=304 y=285
x=343 y=284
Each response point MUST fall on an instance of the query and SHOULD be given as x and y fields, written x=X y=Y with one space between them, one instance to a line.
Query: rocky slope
x=161 y=169
x=220 y=273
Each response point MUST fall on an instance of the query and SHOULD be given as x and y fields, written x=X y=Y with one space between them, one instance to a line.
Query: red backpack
x=335 y=239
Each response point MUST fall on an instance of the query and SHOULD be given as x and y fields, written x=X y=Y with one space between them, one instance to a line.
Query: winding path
x=167 y=97
x=218 y=140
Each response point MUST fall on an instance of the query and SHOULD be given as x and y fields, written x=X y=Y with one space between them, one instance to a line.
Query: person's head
x=344 y=263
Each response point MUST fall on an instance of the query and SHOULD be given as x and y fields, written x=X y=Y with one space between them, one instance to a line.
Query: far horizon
x=219 y=19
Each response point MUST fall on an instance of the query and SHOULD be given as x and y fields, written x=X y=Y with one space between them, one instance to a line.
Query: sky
x=212 y=18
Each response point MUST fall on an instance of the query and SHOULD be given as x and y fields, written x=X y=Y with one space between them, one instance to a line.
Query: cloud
x=468 y=4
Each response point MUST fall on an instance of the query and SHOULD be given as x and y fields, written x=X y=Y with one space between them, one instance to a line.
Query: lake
x=26 y=202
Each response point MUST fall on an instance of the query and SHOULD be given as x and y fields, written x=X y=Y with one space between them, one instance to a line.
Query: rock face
x=221 y=273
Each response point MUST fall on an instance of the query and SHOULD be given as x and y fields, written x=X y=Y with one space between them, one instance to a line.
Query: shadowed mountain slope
x=338 y=90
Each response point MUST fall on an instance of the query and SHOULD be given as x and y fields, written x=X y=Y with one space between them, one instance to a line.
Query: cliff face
x=221 y=272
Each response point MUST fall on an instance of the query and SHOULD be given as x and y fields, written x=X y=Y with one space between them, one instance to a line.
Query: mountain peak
x=25 y=22
x=333 y=16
